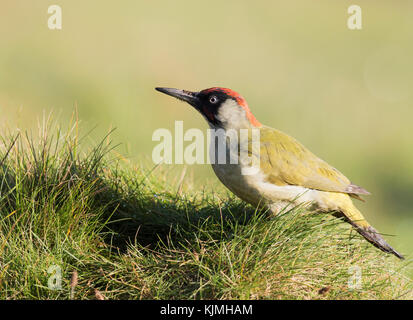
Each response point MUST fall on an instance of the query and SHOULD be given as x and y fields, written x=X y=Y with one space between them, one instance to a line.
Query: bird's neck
x=236 y=117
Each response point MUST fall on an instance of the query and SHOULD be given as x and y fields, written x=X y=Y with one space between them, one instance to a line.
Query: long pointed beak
x=187 y=96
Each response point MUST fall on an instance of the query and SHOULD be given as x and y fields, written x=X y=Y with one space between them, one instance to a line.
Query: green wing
x=285 y=161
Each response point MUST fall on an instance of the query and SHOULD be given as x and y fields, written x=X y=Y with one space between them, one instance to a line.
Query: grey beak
x=187 y=96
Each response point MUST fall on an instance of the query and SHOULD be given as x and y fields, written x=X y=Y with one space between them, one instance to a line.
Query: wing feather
x=285 y=161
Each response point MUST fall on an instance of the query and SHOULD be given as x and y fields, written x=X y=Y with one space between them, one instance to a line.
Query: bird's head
x=221 y=107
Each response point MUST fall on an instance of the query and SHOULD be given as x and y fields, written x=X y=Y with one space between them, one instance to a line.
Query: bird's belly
x=230 y=175
x=253 y=187
x=255 y=190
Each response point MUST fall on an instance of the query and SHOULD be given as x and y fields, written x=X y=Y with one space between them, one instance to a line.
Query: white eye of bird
x=213 y=99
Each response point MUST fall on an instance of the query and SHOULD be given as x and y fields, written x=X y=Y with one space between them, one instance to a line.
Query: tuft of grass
x=83 y=224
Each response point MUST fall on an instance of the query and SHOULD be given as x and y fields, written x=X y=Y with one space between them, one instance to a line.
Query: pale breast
x=254 y=188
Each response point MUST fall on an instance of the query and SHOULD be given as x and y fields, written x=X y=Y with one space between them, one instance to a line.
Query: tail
x=356 y=219
x=374 y=237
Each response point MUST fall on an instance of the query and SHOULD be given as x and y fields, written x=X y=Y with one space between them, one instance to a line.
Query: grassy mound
x=83 y=225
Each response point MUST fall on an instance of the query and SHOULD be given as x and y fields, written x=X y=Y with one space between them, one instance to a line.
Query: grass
x=116 y=231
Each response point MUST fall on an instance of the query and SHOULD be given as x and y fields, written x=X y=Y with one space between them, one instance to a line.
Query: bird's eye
x=213 y=99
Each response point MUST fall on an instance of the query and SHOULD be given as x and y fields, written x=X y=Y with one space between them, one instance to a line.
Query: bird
x=287 y=174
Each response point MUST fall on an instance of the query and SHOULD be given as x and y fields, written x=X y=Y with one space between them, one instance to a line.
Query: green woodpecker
x=288 y=174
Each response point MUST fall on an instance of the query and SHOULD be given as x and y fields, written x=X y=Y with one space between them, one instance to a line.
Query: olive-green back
x=285 y=161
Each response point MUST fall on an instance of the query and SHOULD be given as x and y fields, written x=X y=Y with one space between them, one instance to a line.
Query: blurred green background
x=344 y=94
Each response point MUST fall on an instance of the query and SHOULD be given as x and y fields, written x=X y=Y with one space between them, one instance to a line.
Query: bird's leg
x=278 y=207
